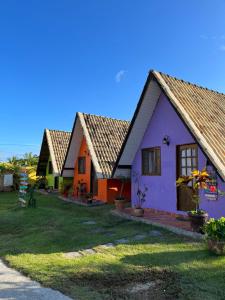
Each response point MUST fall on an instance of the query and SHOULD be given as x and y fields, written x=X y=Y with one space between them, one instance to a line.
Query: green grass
x=34 y=240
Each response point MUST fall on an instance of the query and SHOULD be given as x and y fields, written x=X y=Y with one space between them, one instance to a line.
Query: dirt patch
x=142 y=284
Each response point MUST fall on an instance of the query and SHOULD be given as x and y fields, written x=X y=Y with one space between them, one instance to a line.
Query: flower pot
x=120 y=204
x=138 y=212
x=197 y=221
x=217 y=247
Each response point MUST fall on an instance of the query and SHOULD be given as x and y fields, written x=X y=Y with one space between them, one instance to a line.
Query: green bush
x=215 y=229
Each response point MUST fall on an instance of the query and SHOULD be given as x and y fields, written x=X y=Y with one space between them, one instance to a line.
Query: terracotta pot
x=120 y=204
x=216 y=247
x=197 y=221
x=138 y=212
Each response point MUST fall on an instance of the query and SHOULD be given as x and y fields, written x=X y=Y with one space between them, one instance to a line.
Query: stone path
x=14 y=286
x=90 y=222
x=137 y=237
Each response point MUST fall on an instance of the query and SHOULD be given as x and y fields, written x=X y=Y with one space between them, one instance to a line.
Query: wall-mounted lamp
x=166 y=140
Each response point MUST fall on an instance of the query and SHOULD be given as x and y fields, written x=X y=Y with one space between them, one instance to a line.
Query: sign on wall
x=211 y=192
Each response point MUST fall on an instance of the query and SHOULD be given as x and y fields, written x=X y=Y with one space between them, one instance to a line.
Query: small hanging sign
x=23 y=188
x=211 y=192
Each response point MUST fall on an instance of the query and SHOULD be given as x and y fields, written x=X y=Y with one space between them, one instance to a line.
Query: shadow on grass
x=165 y=259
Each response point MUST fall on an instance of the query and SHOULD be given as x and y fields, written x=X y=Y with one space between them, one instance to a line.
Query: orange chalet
x=92 y=152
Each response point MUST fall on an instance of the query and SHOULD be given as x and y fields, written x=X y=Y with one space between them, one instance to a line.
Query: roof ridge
x=188 y=82
x=58 y=130
x=105 y=117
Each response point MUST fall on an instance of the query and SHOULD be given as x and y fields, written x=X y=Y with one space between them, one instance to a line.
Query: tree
x=30 y=159
x=13 y=160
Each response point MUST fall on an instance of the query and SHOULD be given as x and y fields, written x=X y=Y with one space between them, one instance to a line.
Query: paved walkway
x=14 y=286
x=163 y=220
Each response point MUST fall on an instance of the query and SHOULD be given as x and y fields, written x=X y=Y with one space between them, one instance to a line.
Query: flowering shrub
x=198 y=180
x=215 y=229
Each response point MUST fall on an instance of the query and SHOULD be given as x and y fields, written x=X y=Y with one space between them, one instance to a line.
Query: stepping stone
x=122 y=241
x=155 y=233
x=108 y=245
x=141 y=287
x=139 y=237
x=98 y=230
x=108 y=233
x=89 y=222
x=72 y=254
x=88 y=251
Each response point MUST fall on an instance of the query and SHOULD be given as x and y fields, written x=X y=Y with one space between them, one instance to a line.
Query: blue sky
x=59 y=57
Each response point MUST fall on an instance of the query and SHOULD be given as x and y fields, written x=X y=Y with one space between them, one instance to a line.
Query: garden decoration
x=197 y=181
x=215 y=235
x=141 y=193
x=23 y=186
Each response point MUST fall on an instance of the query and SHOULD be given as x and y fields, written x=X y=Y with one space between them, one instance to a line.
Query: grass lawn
x=168 y=266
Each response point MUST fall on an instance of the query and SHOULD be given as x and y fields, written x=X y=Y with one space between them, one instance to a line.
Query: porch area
x=176 y=223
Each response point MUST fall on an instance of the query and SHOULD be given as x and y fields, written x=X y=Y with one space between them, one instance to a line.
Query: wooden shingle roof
x=203 y=111
x=55 y=144
x=60 y=141
x=106 y=135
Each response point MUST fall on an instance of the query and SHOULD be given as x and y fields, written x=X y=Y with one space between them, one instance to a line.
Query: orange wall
x=85 y=178
x=105 y=194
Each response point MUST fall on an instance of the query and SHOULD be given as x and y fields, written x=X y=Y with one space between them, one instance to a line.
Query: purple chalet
x=177 y=127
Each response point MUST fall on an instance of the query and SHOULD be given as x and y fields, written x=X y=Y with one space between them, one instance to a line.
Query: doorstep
x=175 y=228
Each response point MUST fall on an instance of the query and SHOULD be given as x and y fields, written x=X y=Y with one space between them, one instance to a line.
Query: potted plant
x=120 y=200
x=215 y=235
x=138 y=211
x=89 y=198
x=197 y=181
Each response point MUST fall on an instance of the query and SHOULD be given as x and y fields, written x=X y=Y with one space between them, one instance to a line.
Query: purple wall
x=161 y=192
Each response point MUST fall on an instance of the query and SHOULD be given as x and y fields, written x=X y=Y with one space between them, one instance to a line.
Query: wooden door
x=56 y=182
x=94 y=181
x=187 y=161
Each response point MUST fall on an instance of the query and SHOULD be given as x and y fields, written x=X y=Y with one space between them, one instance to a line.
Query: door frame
x=178 y=147
x=56 y=182
x=95 y=192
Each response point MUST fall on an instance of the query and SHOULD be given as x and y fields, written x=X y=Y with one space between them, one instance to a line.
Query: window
x=188 y=159
x=151 y=161
x=81 y=165
x=50 y=170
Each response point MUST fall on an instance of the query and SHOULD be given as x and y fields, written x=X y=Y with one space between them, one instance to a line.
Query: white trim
x=90 y=146
x=73 y=149
x=52 y=154
x=199 y=137
x=146 y=110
